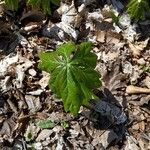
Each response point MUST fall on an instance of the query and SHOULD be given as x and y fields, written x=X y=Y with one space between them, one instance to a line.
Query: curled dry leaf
x=20 y=71
x=68 y=20
x=44 y=81
x=6 y=62
x=8 y=127
x=136 y=90
x=44 y=134
x=137 y=47
x=143 y=100
x=33 y=103
x=102 y=137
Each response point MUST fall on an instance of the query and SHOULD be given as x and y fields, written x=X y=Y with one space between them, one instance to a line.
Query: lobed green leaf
x=72 y=74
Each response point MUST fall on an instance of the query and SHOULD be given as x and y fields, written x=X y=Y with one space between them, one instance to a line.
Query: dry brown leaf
x=100 y=36
x=137 y=47
x=113 y=79
x=44 y=81
x=33 y=103
x=142 y=126
x=144 y=142
x=113 y=37
x=8 y=127
x=103 y=136
x=44 y=134
x=143 y=100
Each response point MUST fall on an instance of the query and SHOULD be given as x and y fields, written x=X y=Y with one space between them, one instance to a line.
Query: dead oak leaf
x=137 y=47
x=8 y=127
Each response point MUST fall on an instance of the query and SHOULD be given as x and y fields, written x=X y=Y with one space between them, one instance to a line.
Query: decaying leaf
x=147 y=82
x=8 y=127
x=5 y=63
x=33 y=103
x=131 y=144
x=44 y=134
x=138 y=47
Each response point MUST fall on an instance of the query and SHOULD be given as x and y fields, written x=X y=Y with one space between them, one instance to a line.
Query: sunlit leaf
x=138 y=8
x=72 y=73
x=45 y=124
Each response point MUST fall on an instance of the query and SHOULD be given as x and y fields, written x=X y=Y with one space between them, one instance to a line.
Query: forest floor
x=32 y=118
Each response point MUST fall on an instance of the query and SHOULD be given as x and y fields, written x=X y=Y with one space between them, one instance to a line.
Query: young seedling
x=72 y=74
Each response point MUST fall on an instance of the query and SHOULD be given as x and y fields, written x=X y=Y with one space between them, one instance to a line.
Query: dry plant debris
x=32 y=117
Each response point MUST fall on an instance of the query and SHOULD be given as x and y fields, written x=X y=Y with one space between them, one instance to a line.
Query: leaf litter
x=123 y=62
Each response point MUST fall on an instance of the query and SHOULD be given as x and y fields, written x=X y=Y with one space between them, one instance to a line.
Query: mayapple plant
x=73 y=74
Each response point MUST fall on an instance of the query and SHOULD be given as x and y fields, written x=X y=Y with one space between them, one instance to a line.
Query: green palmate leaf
x=138 y=8
x=72 y=74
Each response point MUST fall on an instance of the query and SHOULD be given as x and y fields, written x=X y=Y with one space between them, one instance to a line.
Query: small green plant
x=138 y=8
x=72 y=74
x=45 y=124
x=43 y=4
